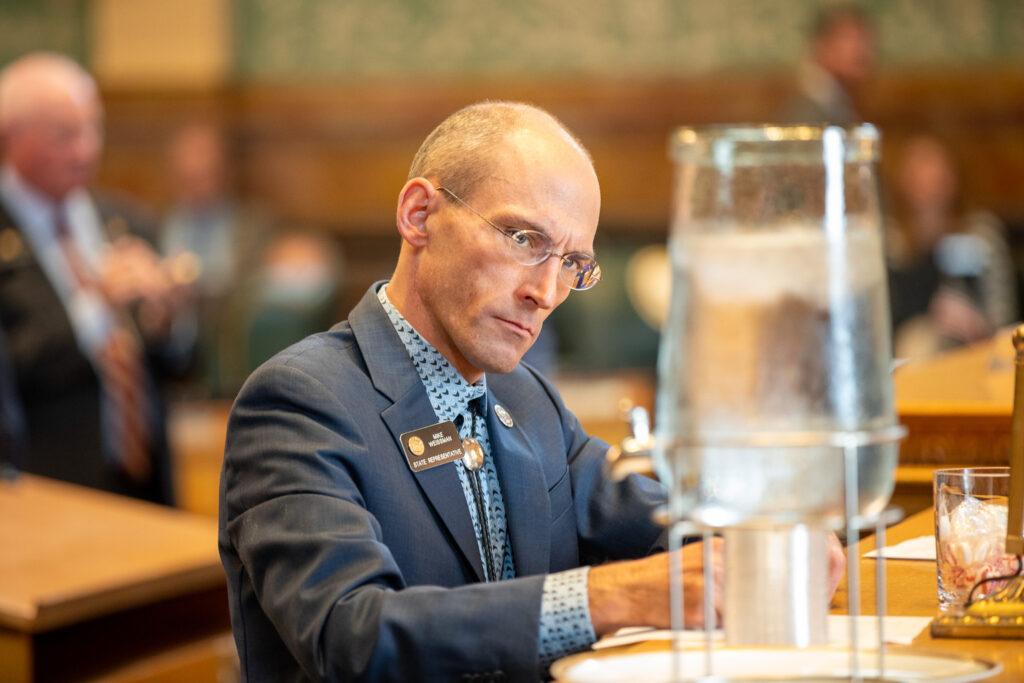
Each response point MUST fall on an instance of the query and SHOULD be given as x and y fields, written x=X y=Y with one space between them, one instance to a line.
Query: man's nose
x=542 y=285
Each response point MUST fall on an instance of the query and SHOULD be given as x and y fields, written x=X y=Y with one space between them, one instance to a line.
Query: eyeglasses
x=578 y=271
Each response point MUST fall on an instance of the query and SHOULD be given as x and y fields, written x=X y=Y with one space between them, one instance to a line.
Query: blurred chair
x=603 y=332
x=294 y=295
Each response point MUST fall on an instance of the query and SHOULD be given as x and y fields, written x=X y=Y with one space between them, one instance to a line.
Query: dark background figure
x=219 y=242
x=841 y=58
x=294 y=294
x=12 y=420
x=951 y=275
x=89 y=311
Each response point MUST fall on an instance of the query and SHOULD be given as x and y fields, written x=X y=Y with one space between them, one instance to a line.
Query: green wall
x=59 y=25
x=361 y=39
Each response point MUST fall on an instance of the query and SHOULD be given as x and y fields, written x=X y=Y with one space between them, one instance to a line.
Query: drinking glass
x=971 y=507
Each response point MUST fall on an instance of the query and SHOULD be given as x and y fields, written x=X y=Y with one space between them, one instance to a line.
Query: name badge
x=432 y=446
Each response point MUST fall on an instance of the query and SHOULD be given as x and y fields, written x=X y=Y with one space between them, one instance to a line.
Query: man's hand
x=133 y=275
x=836 y=564
x=636 y=592
x=133 y=271
x=956 y=317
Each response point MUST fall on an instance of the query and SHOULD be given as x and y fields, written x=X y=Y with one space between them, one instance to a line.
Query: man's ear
x=416 y=202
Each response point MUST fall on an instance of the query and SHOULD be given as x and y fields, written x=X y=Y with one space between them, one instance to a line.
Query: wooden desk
x=197 y=432
x=956 y=408
x=95 y=585
x=912 y=591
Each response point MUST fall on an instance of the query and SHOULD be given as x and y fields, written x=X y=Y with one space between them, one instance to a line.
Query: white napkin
x=920 y=548
x=898 y=630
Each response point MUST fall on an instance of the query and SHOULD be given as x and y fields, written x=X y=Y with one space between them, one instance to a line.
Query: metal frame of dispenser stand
x=849 y=442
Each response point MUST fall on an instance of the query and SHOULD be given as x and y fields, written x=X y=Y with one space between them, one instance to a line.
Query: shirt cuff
x=565 y=625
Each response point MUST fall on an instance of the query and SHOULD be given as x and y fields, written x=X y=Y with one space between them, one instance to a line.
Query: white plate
x=767 y=664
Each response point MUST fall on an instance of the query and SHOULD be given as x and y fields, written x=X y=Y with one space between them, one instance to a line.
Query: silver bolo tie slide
x=472 y=452
x=473 y=460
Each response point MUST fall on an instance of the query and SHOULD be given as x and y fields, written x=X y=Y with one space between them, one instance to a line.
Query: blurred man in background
x=221 y=243
x=87 y=307
x=294 y=293
x=841 y=59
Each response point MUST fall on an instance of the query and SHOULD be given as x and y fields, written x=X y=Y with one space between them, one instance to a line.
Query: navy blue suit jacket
x=345 y=565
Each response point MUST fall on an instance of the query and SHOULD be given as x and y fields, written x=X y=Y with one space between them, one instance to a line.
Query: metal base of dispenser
x=776 y=586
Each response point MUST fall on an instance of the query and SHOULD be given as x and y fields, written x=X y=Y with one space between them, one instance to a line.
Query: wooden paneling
x=131 y=644
x=981 y=116
x=139 y=126
x=210 y=659
x=15 y=657
x=334 y=155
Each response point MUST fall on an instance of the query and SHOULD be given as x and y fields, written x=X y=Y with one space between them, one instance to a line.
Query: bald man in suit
x=88 y=309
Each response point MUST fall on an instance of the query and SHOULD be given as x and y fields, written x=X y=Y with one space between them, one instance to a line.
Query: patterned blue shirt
x=565 y=616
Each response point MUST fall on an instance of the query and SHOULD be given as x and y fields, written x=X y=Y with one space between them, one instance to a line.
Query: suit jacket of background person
x=820 y=99
x=12 y=422
x=225 y=314
x=57 y=385
x=344 y=565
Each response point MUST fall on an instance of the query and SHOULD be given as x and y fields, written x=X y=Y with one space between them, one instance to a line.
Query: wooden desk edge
x=67 y=610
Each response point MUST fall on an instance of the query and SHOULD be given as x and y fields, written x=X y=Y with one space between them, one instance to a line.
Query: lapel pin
x=503 y=415
x=11 y=245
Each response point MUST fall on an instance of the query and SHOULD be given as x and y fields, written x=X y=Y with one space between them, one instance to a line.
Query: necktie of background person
x=120 y=365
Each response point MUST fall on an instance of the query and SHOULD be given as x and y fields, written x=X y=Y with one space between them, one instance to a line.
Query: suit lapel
x=441 y=484
x=394 y=375
x=524 y=488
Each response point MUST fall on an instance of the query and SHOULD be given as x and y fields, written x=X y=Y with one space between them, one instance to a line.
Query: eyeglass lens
x=531 y=248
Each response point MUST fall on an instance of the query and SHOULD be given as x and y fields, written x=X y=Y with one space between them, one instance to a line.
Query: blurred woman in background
x=952 y=280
